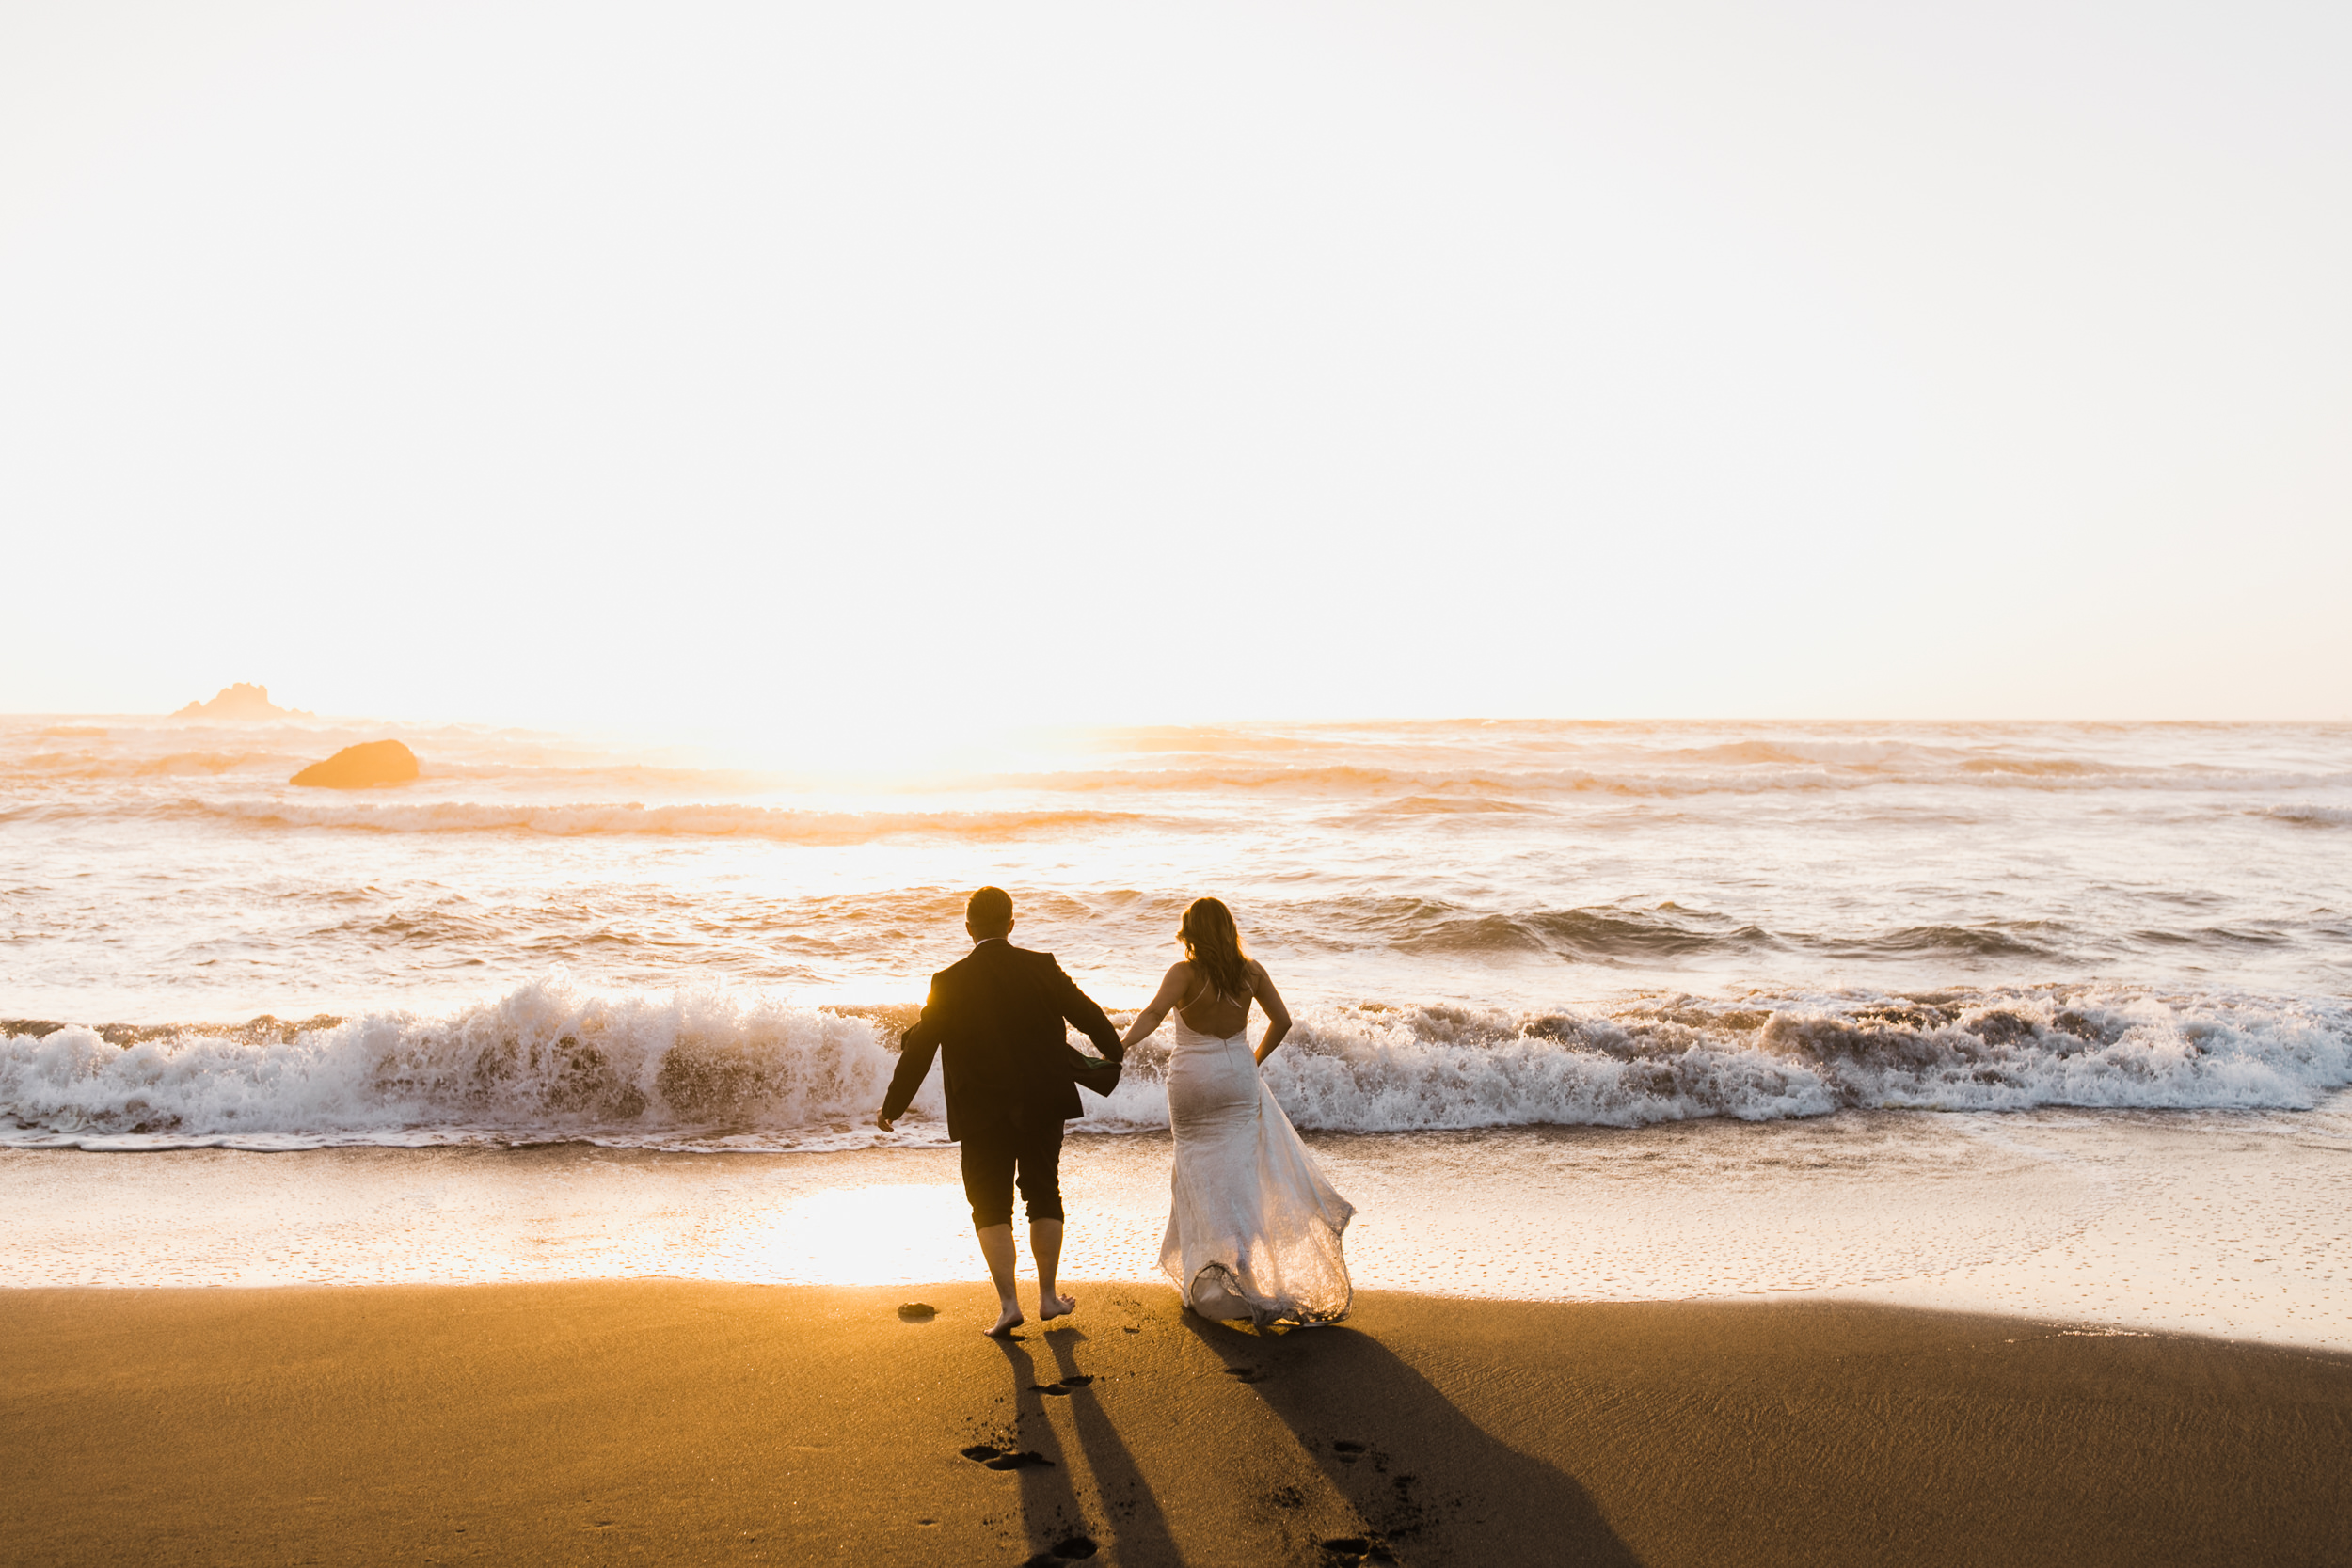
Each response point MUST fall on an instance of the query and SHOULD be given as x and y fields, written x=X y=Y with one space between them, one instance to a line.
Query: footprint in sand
x=1247 y=1374
x=988 y=1456
x=1067 y=1386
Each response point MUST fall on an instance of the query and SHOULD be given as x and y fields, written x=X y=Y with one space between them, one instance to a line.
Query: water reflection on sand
x=2219 y=1223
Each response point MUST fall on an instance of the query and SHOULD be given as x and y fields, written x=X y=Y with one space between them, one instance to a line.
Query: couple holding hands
x=1253 y=1229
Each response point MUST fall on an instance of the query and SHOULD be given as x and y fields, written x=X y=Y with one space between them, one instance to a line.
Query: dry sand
x=687 y=1423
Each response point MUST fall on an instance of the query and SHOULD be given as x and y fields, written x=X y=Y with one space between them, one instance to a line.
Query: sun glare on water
x=887 y=1235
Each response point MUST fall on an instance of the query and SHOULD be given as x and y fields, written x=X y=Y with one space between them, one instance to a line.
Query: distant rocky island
x=242 y=701
x=361 y=767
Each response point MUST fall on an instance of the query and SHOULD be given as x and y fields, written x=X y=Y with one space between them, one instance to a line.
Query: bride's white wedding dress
x=1253 y=1230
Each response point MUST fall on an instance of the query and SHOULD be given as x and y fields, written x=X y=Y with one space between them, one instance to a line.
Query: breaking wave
x=779 y=824
x=709 y=1071
x=2313 y=817
x=1616 y=935
x=544 y=1063
x=1748 y=769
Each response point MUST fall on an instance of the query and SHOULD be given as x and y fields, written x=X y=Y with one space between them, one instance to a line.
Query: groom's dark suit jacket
x=997 y=1017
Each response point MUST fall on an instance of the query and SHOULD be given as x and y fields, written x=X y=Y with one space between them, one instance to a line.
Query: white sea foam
x=544 y=1063
x=1758 y=1059
x=705 y=1071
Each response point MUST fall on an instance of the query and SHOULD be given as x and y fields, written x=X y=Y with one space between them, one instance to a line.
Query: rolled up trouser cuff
x=1005 y=1154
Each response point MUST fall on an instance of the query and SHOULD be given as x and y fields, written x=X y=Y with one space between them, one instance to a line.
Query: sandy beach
x=677 y=1422
x=1656 y=686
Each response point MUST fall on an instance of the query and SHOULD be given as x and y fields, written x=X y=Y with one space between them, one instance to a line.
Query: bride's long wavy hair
x=1213 y=943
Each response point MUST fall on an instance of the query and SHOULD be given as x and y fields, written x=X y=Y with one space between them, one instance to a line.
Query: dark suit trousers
x=1013 y=1146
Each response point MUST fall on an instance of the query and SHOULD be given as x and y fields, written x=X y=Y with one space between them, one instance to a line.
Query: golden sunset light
x=1148 y=784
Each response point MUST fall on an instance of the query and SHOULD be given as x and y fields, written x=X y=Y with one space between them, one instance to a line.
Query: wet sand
x=2231 y=1226
x=690 y=1423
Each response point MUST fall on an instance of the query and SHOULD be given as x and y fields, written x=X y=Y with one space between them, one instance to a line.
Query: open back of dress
x=1253 y=1229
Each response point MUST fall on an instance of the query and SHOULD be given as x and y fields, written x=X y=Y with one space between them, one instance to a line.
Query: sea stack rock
x=363 y=766
x=242 y=701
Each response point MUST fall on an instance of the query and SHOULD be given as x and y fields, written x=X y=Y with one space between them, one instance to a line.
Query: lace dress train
x=1253 y=1229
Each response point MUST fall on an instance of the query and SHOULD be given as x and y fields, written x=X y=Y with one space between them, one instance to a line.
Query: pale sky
x=824 y=364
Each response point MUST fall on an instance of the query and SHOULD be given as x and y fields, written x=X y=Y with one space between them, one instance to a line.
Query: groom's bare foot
x=1007 y=1322
x=1052 y=1307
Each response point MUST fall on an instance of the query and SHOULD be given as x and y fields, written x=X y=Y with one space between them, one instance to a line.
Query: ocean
x=1680 y=965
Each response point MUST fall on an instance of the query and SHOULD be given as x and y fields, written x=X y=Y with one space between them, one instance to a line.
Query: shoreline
x=2225 y=1226
x=683 y=1421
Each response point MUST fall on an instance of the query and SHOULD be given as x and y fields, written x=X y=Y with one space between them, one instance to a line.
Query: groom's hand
x=884 y=1122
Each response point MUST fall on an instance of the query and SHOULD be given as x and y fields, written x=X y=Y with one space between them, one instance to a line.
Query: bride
x=1253 y=1229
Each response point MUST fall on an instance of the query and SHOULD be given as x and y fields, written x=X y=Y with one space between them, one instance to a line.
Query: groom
x=998 y=1013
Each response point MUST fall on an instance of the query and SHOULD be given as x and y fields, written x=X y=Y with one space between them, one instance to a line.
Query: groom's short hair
x=991 y=909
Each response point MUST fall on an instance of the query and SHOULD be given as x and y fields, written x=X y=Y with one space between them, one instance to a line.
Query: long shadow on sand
x=1426 y=1480
x=1142 y=1532
x=1052 y=1516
